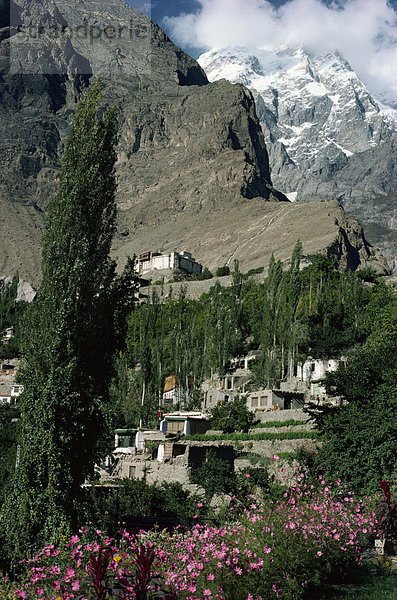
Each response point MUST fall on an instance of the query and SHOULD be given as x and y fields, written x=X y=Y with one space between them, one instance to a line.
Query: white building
x=174 y=261
x=7 y=335
x=173 y=393
x=313 y=372
x=16 y=390
x=187 y=423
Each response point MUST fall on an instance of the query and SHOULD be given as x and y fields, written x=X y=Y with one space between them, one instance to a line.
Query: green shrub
x=245 y=437
x=206 y=274
x=232 y=416
x=222 y=271
x=215 y=475
x=288 y=423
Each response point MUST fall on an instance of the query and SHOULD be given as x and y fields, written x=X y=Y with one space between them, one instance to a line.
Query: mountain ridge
x=192 y=169
x=326 y=135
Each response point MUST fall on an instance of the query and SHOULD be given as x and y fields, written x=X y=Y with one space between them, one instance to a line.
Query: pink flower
x=207 y=593
x=75 y=586
x=247 y=475
x=275 y=457
x=319 y=553
x=74 y=539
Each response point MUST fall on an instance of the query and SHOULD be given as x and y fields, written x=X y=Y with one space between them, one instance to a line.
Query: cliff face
x=193 y=170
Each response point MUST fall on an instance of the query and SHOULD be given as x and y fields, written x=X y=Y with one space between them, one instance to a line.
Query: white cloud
x=363 y=31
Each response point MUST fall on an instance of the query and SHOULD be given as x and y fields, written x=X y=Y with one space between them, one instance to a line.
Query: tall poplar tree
x=65 y=406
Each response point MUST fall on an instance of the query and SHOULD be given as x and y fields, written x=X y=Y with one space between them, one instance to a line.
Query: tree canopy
x=361 y=437
x=67 y=343
x=233 y=415
x=294 y=312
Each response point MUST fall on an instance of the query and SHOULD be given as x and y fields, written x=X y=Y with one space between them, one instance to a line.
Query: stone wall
x=172 y=469
x=282 y=415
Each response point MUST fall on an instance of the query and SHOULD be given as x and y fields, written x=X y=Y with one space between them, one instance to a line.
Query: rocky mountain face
x=326 y=135
x=193 y=168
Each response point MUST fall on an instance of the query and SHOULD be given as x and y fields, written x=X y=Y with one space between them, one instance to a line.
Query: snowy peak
x=306 y=103
x=326 y=135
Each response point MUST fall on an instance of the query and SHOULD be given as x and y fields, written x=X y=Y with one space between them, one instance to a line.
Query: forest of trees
x=295 y=312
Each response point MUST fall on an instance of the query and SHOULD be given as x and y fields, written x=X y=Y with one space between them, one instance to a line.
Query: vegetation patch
x=245 y=437
x=267 y=550
x=288 y=423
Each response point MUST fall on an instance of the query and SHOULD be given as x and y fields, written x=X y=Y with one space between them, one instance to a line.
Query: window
x=132 y=472
x=254 y=402
x=263 y=401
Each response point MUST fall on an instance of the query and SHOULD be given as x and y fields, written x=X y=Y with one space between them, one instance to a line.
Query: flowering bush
x=273 y=550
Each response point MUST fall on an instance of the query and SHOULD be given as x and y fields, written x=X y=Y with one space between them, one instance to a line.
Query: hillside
x=193 y=170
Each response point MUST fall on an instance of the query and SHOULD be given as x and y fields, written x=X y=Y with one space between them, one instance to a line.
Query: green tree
x=11 y=313
x=361 y=437
x=232 y=416
x=206 y=274
x=65 y=409
x=215 y=475
x=222 y=271
x=9 y=438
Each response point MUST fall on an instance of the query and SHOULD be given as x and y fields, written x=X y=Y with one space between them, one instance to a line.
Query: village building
x=9 y=390
x=312 y=373
x=173 y=461
x=263 y=400
x=185 y=423
x=293 y=393
x=7 y=334
x=175 y=394
x=155 y=264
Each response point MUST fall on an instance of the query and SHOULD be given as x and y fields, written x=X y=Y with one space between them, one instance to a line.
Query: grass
x=245 y=437
x=288 y=423
x=364 y=584
x=256 y=460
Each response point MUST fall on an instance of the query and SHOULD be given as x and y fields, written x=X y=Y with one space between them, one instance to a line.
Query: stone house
x=264 y=400
x=174 y=394
x=186 y=423
x=312 y=373
x=9 y=390
x=174 y=463
x=291 y=393
x=157 y=264
x=233 y=383
x=7 y=334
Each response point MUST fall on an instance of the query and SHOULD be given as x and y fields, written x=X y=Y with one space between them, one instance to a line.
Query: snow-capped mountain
x=327 y=137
